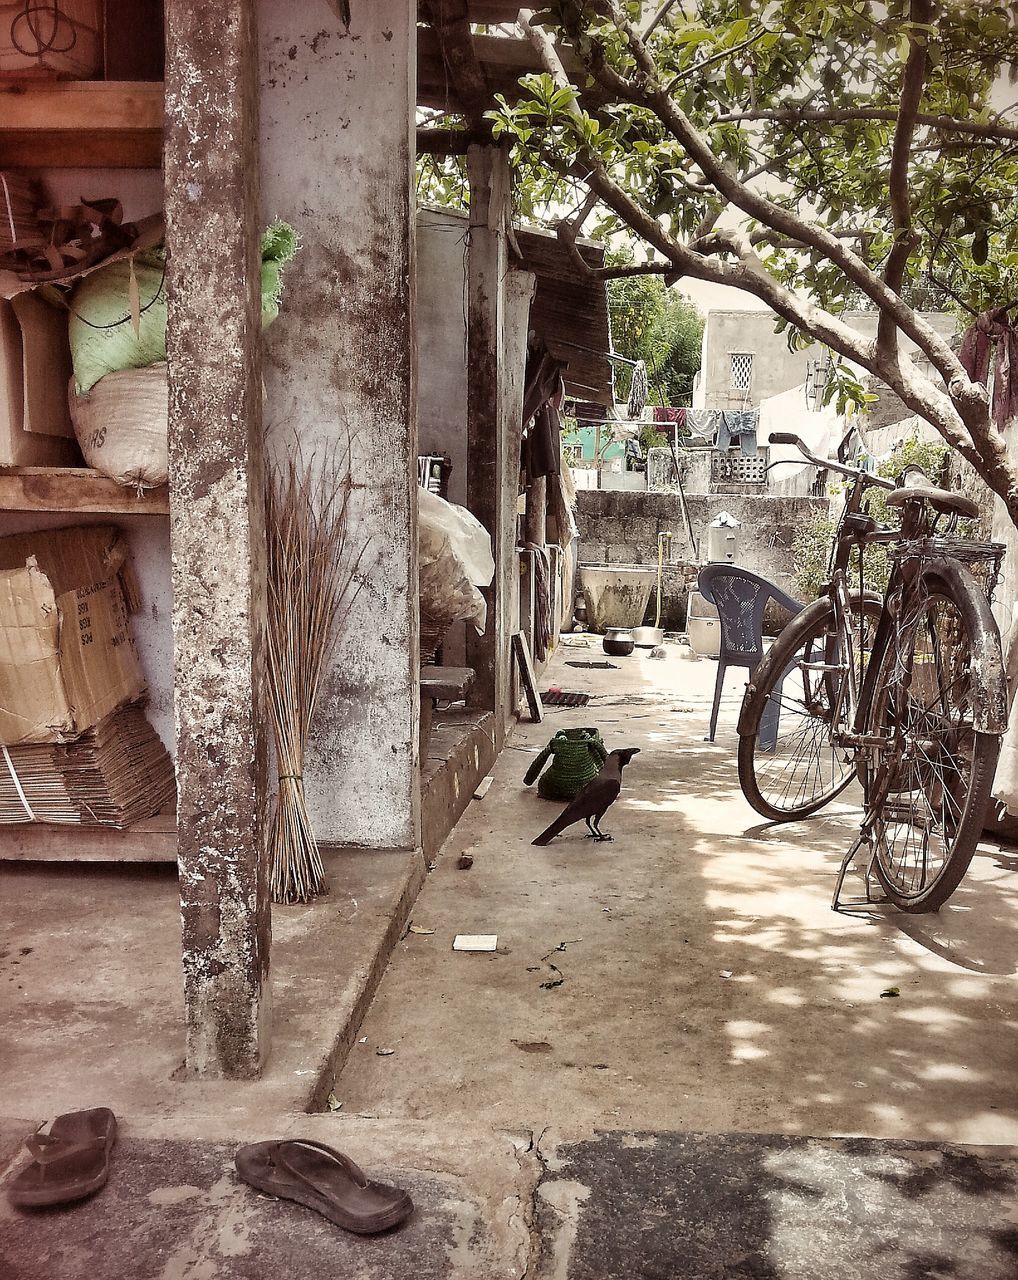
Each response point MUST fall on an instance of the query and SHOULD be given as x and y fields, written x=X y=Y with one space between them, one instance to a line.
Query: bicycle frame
x=871 y=705
x=856 y=530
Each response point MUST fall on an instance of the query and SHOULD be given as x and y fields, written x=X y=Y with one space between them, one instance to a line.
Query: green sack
x=101 y=332
x=576 y=758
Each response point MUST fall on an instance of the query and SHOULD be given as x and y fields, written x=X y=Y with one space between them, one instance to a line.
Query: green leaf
x=693 y=36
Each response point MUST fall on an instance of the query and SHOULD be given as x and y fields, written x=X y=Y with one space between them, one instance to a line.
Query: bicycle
x=904 y=691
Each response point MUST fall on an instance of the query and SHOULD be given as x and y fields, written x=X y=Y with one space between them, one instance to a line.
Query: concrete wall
x=775 y=368
x=337 y=157
x=622 y=529
x=442 y=342
x=441 y=273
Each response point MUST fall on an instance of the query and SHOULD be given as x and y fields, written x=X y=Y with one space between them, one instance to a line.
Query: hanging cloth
x=994 y=326
x=638 y=390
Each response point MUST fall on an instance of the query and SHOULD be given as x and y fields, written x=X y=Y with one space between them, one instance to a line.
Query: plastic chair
x=740 y=598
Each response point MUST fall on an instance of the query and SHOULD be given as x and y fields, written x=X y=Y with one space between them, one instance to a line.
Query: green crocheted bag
x=576 y=757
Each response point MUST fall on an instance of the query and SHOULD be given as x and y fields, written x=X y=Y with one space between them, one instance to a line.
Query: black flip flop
x=324 y=1180
x=70 y=1162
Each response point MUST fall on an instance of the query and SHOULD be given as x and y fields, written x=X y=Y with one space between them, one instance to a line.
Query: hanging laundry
x=666 y=413
x=638 y=390
x=991 y=327
x=703 y=422
x=738 y=427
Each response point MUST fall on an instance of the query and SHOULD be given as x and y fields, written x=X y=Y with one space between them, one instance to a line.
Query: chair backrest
x=740 y=598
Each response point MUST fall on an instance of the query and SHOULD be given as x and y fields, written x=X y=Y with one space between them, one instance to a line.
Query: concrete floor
x=654 y=1075
x=90 y=986
x=706 y=983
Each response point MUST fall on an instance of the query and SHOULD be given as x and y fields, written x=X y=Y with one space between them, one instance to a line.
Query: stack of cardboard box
x=74 y=744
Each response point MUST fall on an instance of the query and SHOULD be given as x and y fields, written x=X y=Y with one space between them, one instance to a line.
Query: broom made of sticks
x=312 y=584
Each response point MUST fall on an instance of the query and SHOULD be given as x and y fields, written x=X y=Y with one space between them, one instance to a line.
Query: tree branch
x=961 y=415
x=798 y=115
x=449 y=142
x=654 y=98
x=709 y=62
x=913 y=81
x=658 y=17
x=451 y=25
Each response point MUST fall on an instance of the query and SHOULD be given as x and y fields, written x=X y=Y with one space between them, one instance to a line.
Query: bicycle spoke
x=924 y=778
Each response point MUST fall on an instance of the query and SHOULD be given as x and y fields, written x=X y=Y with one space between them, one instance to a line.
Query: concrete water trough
x=615 y=595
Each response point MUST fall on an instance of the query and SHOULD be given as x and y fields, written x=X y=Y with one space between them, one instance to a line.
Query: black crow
x=594 y=800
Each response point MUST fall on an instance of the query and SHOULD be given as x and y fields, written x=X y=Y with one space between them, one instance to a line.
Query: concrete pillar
x=216 y=530
x=536 y=519
x=488 y=175
x=337 y=160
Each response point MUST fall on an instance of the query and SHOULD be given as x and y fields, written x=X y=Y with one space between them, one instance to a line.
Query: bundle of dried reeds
x=311 y=586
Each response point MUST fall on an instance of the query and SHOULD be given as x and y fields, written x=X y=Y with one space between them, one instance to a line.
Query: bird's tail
x=549 y=833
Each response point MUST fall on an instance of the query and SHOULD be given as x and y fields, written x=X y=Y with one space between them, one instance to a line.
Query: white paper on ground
x=475 y=942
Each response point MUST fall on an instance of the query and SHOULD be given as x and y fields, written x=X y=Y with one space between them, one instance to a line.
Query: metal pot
x=618 y=642
x=648 y=637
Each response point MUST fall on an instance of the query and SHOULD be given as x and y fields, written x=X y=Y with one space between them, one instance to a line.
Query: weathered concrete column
x=216 y=530
x=488 y=175
x=337 y=158
x=536 y=519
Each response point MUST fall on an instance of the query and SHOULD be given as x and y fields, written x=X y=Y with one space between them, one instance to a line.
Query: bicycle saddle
x=942 y=500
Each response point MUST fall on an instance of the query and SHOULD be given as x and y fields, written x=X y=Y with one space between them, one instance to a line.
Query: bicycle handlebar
x=789 y=437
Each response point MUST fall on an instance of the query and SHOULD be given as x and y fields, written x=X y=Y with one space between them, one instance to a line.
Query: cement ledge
x=363 y=981
x=123 y=1046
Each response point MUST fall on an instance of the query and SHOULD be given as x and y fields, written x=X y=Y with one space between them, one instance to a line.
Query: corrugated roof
x=570 y=313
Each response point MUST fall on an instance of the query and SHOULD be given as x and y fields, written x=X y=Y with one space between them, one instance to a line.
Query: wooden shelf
x=75 y=490
x=81 y=124
x=154 y=840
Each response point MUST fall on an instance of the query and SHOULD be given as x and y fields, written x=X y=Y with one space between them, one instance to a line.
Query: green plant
x=811 y=544
x=805 y=151
x=811 y=548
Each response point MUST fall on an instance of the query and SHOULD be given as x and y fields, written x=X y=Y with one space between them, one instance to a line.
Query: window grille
x=737 y=468
x=433 y=470
x=742 y=370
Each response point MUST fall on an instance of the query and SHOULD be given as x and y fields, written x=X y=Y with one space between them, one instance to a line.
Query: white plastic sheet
x=455 y=559
x=1005 y=783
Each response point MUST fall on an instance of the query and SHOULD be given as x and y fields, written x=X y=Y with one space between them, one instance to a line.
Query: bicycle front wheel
x=929 y=784
x=789 y=763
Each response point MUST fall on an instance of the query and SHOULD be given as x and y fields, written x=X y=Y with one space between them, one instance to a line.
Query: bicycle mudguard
x=990 y=704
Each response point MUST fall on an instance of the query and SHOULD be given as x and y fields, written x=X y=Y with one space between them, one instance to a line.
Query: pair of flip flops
x=72 y=1161
x=69 y=1162
x=325 y=1180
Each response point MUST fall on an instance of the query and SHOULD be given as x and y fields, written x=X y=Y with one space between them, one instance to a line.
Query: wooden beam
x=81 y=123
x=451 y=26
x=449 y=142
x=488 y=175
x=153 y=840
x=493 y=12
x=486 y=12
x=502 y=61
x=75 y=489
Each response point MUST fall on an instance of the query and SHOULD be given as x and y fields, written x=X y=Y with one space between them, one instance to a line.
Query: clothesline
x=725 y=428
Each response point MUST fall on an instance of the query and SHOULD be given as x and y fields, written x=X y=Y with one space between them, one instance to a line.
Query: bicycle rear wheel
x=929 y=787
x=789 y=763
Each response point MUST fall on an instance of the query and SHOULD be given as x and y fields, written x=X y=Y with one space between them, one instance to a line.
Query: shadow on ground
x=752 y=1207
